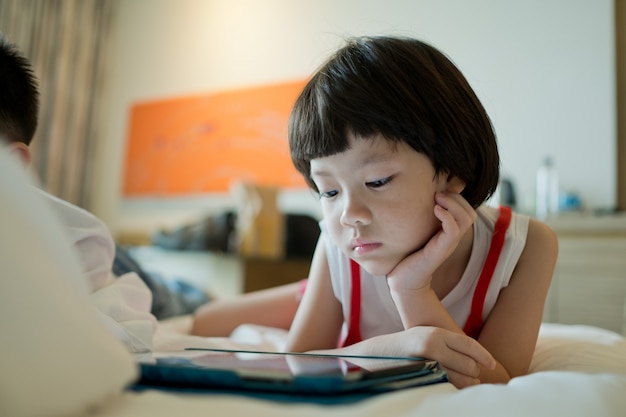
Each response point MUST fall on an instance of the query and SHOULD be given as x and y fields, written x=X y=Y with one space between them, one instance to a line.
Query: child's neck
x=448 y=275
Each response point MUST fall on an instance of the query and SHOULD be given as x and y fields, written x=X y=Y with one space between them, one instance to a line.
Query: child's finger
x=460 y=380
x=471 y=348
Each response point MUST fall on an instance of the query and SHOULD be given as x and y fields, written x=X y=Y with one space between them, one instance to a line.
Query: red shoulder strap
x=474 y=323
x=354 y=323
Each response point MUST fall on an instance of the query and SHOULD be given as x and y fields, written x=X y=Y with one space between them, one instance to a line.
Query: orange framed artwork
x=202 y=144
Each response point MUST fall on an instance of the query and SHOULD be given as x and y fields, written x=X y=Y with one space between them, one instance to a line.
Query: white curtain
x=66 y=42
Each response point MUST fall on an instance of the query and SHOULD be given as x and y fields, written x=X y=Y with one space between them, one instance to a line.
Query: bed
x=576 y=371
x=67 y=364
x=58 y=358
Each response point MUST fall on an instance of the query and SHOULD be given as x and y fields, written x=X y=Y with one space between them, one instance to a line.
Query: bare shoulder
x=541 y=240
x=540 y=252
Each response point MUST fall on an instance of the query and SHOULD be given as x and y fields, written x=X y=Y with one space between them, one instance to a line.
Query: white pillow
x=563 y=347
x=56 y=356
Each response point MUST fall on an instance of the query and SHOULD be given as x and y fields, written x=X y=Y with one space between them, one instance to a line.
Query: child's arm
x=462 y=357
x=318 y=321
x=510 y=332
x=410 y=281
x=273 y=307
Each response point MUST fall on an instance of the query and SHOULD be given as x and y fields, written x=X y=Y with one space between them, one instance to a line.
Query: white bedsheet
x=564 y=382
x=550 y=393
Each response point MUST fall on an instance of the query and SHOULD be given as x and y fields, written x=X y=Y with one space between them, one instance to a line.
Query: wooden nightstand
x=261 y=273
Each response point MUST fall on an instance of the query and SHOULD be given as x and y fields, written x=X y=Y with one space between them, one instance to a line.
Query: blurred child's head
x=19 y=99
x=406 y=91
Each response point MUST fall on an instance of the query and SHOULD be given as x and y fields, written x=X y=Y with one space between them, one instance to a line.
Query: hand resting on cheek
x=415 y=272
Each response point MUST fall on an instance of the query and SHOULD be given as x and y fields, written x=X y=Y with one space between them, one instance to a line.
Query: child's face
x=377 y=200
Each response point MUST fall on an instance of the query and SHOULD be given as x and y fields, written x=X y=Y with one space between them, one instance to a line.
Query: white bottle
x=547 y=199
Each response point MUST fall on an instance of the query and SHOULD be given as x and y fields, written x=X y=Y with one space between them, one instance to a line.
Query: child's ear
x=454 y=184
x=21 y=150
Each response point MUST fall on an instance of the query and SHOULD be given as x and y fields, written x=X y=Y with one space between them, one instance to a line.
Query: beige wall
x=543 y=69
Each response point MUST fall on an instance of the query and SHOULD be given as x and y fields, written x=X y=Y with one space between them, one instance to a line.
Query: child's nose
x=355 y=212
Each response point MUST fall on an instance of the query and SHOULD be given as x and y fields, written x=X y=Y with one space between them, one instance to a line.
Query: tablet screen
x=304 y=374
x=285 y=366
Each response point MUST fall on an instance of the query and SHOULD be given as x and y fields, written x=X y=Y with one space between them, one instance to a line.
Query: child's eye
x=379 y=183
x=328 y=194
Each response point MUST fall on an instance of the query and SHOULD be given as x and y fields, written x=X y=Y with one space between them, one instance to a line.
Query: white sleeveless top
x=378 y=311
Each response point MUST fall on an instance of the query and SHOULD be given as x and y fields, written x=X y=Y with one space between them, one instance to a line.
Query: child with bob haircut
x=411 y=261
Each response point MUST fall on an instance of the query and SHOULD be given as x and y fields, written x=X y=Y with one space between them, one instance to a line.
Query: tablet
x=295 y=373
